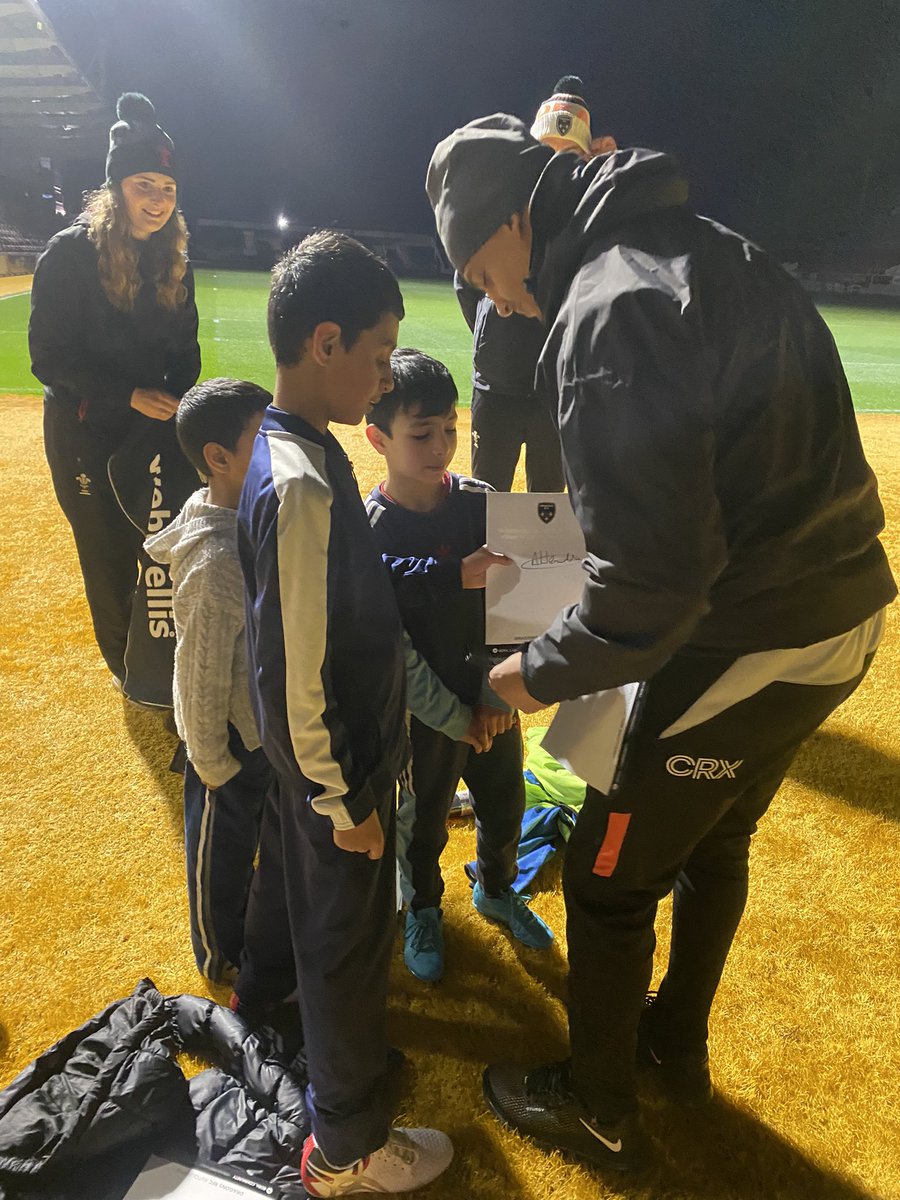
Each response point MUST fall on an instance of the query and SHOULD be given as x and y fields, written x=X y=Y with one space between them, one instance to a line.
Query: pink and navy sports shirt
x=423 y=552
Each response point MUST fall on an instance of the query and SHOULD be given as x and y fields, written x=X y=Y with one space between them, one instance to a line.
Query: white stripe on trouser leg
x=205 y=823
x=406 y=815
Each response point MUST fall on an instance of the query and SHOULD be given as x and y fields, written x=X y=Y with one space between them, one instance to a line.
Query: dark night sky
x=786 y=113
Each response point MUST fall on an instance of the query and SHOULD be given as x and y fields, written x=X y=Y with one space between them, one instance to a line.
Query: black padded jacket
x=79 y=1122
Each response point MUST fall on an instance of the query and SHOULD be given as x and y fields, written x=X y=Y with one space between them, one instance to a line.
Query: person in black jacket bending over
x=733 y=565
x=113 y=338
x=507 y=413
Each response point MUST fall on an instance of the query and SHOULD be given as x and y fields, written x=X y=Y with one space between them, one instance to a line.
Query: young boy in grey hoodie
x=227 y=774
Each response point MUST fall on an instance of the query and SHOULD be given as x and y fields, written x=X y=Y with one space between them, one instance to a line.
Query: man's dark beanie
x=136 y=142
x=478 y=177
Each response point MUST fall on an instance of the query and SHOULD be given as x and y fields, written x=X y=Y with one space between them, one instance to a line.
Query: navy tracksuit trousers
x=497 y=787
x=322 y=920
x=221 y=834
x=680 y=816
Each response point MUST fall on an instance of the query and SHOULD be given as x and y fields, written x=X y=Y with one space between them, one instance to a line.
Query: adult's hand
x=152 y=402
x=473 y=569
x=506 y=680
x=366 y=838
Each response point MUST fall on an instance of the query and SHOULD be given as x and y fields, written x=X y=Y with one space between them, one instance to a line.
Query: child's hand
x=496 y=720
x=367 y=838
x=473 y=569
x=477 y=734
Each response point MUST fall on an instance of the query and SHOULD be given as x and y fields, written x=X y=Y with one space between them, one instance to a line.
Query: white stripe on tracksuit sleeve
x=304 y=527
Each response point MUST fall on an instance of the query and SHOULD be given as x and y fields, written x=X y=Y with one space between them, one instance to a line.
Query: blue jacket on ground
x=327 y=672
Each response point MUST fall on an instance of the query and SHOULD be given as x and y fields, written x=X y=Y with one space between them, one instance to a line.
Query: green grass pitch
x=232 y=307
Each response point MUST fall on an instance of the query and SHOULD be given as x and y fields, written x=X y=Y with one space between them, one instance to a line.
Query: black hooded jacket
x=712 y=452
x=505 y=349
x=91 y=355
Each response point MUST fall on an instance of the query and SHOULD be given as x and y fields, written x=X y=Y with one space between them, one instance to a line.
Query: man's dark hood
x=575 y=204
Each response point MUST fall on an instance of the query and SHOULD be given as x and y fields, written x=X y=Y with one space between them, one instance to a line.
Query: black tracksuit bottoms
x=497 y=787
x=501 y=424
x=322 y=920
x=108 y=544
x=679 y=816
x=221 y=833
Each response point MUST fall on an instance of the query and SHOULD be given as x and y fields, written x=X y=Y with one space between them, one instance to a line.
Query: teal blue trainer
x=510 y=909
x=423 y=944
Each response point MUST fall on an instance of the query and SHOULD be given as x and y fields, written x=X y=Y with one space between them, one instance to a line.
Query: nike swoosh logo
x=615 y=1146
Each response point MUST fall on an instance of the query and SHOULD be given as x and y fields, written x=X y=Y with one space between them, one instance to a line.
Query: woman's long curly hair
x=118 y=252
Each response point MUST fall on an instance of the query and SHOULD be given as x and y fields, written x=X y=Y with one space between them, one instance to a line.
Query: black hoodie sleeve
x=57 y=338
x=468 y=298
x=183 y=365
x=634 y=423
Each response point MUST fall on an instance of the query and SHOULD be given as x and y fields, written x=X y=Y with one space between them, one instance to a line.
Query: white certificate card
x=586 y=735
x=538 y=531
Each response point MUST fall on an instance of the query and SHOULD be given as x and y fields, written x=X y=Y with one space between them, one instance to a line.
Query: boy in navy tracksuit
x=430 y=526
x=328 y=683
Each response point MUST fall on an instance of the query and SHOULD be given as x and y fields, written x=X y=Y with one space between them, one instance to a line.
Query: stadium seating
x=13 y=241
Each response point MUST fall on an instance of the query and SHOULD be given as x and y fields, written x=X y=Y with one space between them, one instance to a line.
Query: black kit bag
x=151 y=479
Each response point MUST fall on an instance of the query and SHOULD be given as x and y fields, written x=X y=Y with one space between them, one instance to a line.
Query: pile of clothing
x=83 y=1118
x=553 y=799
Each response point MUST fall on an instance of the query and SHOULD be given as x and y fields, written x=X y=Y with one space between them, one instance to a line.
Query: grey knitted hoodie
x=211 y=685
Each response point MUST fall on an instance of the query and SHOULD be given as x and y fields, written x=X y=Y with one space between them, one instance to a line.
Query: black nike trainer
x=540 y=1104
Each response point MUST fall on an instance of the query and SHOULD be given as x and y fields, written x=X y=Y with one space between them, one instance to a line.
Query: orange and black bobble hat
x=564 y=115
x=136 y=142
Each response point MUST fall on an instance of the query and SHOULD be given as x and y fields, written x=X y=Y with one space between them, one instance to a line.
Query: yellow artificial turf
x=15 y=285
x=805 y=1034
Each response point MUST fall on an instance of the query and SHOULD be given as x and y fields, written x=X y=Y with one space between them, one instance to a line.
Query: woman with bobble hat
x=113 y=339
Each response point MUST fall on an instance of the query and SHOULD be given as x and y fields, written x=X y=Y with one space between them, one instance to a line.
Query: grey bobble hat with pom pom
x=136 y=142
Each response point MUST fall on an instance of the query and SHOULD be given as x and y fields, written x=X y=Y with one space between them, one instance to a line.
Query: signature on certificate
x=546 y=558
x=521 y=604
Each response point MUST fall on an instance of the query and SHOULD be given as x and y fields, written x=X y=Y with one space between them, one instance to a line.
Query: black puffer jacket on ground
x=81 y=1120
x=711 y=447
